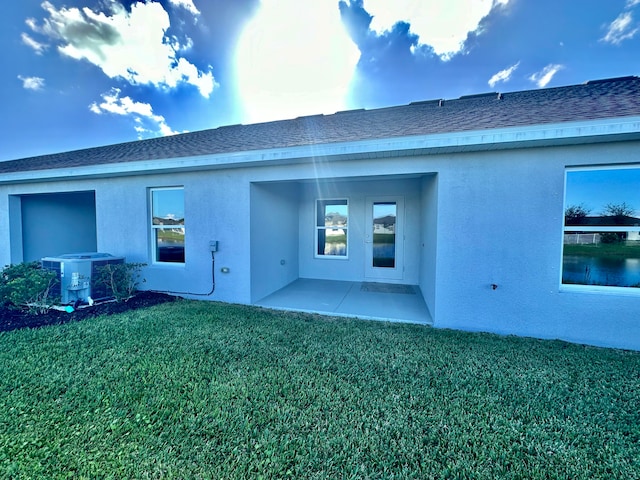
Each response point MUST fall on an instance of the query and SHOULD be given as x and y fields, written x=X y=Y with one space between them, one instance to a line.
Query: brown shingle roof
x=600 y=99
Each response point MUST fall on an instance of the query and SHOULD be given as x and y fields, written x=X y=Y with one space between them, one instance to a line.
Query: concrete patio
x=366 y=300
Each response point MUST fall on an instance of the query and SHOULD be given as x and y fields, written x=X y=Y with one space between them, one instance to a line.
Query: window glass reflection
x=332 y=218
x=384 y=234
x=602 y=228
x=167 y=223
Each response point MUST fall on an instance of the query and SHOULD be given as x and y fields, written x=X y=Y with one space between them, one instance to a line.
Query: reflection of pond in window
x=384 y=254
x=613 y=272
x=332 y=241
x=170 y=245
x=335 y=249
x=596 y=263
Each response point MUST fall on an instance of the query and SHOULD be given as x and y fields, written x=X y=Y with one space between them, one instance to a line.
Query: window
x=167 y=224
x=332 y=217
x=602 y=228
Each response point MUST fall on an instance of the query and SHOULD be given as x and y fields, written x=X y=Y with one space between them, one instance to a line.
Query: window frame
x=153 y=228
x=575 y=229
x=318 y=228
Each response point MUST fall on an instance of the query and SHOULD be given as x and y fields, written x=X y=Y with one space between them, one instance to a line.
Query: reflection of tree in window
x=576 y=214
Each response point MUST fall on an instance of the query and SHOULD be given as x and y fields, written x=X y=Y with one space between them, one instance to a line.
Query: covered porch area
x=362 y=247
x=366 y=300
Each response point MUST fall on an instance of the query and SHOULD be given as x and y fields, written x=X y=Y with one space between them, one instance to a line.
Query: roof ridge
x=611 y=80
x=478 y=95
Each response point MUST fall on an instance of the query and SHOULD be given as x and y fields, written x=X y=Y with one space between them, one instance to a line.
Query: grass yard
x=205 y=390
x=623 y=250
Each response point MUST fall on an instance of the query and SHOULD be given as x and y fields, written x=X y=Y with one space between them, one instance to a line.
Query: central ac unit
x=77 y=273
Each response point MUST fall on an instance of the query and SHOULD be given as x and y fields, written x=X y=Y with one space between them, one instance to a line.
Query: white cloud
x=295 y=63
x=129 y=45
x=544 y=76
x=142 y=113
x=30 y=42
x=177 y=46
x=503 y=75
x=186 y=4
x=32 y=83
x=622 y=28
x=632 y=3
x=441 y=24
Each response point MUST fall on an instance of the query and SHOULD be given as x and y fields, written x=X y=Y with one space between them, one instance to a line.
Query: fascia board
x=602 y=130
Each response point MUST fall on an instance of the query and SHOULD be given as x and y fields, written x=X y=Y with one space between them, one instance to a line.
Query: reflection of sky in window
x=596 y=188
x=384 y=209
x=168 y=203
x=336 y=209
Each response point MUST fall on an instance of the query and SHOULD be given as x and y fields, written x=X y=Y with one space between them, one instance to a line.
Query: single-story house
x=471 y=192
x=593 y=236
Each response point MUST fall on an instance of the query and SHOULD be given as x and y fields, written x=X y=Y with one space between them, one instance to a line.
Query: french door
x=384 y=238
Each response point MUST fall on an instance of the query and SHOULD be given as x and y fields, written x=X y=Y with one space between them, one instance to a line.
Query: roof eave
x=527 y=136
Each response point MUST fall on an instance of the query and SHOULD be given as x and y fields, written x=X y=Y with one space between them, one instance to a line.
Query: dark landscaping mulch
x=14 y=319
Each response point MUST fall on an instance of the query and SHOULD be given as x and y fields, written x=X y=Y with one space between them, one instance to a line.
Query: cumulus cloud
x=142 y=113
x=442 y=25
x=622 y=28
x=187 y=5
x=129 y=45
x=32 y=83
x=503 y=75
x=544 y=76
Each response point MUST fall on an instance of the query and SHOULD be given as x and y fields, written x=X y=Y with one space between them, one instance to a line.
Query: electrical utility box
x=77 y=274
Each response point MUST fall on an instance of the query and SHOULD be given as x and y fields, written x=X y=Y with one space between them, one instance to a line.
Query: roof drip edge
x=591 y=131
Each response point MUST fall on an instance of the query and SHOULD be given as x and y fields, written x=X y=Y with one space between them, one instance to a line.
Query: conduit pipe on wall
x=213 y=283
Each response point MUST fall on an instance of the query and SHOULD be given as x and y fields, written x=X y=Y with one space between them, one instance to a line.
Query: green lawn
x=204 y=390
x=623 y=250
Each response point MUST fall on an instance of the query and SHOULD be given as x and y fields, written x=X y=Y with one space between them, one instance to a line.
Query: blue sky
x=595 y=189
x=82 y=73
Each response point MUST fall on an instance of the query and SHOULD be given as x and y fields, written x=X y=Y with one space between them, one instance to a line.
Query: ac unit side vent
x=54 y=266
x=100 y=291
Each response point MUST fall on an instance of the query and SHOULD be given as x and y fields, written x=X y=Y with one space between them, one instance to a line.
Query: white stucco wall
x=429 y=241
x=274 y=236
x=352 y=268
x=474 y=219
x=500 y=222
x=216 y=208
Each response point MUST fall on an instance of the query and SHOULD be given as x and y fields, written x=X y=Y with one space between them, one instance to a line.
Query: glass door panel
x=384 y=238
x=384 y=234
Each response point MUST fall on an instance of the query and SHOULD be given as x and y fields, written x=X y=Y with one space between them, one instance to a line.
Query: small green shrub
x=120 y=279
x=613 y=237
x=27 y=285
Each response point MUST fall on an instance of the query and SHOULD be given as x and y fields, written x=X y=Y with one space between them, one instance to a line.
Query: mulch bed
x=15 y=319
